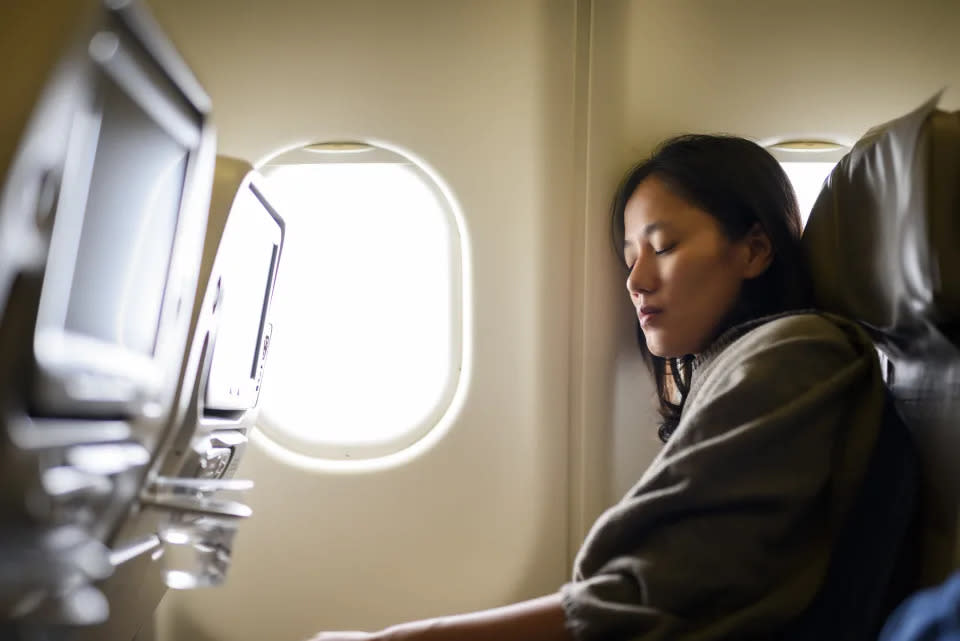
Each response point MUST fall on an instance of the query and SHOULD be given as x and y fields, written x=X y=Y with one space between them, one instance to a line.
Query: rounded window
x=807 y=163
x=807 y=179
x=366 y=350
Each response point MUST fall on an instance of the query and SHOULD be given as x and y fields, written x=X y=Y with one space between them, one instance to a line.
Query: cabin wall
x=776 y=70
x=613 y=425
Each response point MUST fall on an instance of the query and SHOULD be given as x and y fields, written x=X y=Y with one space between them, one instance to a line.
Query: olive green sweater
x=730 y=532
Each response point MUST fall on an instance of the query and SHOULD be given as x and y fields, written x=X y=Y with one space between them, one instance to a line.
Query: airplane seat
x=107 y=156
x=882 y=243
x=190 y=498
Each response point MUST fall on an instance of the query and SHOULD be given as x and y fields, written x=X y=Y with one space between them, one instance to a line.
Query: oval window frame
x=409 y=442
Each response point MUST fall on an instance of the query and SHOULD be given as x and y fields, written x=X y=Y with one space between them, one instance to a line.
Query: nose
x=643 y=278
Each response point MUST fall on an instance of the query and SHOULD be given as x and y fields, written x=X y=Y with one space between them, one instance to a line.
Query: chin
x=662 y=351
x=667 y=354
x=658 y=348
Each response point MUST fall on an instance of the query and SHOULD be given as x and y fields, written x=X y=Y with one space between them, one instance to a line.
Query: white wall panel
x=613 y=435
x=784 y=68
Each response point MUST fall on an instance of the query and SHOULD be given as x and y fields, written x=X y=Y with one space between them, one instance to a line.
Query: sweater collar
x=732 y=334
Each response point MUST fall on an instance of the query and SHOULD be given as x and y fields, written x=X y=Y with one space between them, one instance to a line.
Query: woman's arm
x=535 y=620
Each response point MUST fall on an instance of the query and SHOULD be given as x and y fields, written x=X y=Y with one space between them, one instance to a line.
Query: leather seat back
x=883 y=242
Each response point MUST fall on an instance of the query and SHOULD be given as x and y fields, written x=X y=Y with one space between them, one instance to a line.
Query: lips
x=647 y=313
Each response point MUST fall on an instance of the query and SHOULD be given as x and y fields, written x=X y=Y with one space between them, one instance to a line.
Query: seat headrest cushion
x=883 y=239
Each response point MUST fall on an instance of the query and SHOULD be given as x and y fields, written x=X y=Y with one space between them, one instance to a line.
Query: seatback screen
x=247 y=257
x=128 y=228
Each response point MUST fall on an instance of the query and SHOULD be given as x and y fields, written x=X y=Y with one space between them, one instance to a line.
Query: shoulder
x=811 y=323
x=784 y=358
x=806 y=336
x=778 y=395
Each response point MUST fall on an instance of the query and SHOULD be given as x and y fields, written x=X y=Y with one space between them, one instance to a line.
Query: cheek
x=691 y=271
x=718 y=291
x=707 y=286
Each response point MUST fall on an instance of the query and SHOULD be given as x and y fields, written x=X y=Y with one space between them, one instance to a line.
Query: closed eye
x=666 y=250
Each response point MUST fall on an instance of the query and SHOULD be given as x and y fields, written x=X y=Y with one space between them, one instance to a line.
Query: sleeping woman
x=758 y=518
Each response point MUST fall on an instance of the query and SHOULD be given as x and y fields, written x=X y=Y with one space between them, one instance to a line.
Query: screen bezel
x=79 y=373
x=242 y=392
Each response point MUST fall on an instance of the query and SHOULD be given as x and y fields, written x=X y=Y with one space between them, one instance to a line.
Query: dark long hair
x=740 y=184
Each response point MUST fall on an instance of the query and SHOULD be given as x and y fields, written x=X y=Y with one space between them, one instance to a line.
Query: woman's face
x=685 y=274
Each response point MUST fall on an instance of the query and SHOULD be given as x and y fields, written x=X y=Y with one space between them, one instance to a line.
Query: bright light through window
x=365 y=351
x=807 y=179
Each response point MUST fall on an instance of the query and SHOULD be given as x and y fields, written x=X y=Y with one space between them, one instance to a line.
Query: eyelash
x=665 y=250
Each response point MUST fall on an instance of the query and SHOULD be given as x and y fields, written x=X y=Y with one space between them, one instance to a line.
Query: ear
x=758 y=252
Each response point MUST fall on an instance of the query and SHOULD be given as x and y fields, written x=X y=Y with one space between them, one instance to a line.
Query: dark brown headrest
x=883 y=238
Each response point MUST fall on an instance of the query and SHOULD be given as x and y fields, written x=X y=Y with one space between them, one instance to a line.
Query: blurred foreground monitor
x=107 y=156
x=182 y=532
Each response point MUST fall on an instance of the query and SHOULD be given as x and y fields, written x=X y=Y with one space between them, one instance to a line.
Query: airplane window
x=807 y=179
x=365 y=354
